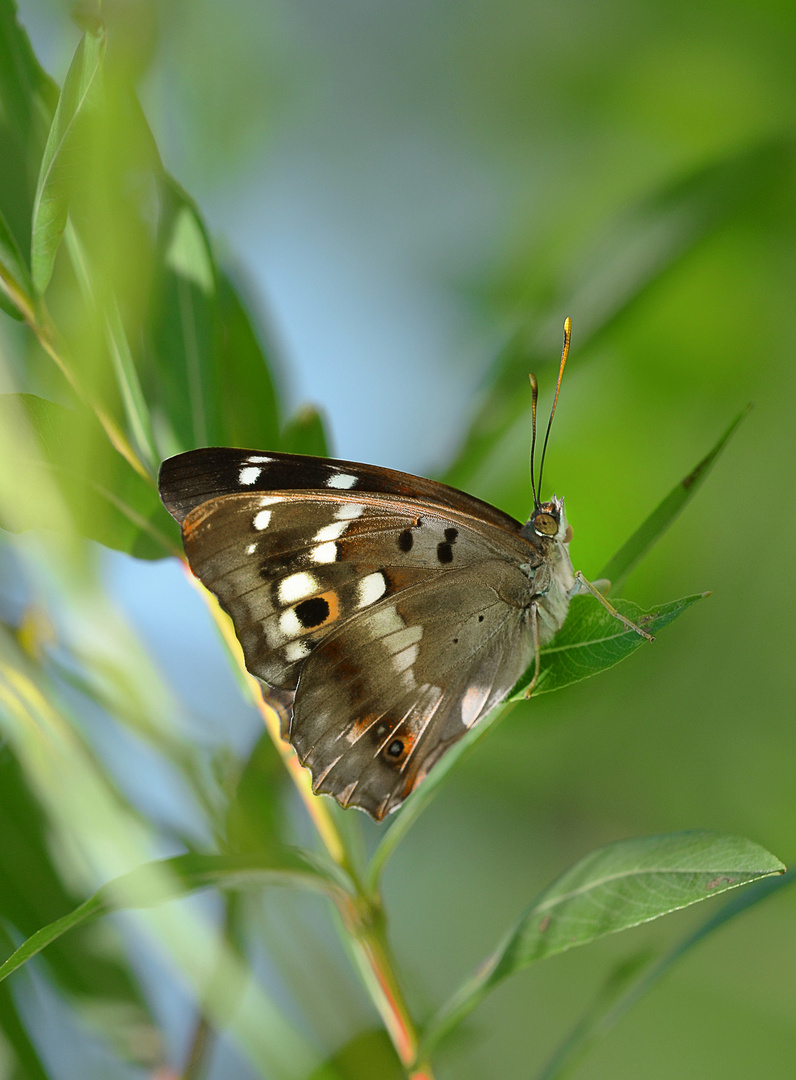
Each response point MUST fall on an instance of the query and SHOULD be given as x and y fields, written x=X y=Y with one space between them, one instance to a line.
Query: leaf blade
x=613 y=888
x=651 y=530
x=168 y=879
x=51 y=202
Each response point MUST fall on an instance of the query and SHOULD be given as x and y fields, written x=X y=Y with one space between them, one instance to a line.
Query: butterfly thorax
x=553 y=579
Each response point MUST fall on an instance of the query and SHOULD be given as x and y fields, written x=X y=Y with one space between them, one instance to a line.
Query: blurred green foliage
x=640 y=165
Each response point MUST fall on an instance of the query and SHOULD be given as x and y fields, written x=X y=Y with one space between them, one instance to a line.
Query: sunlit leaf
x=51 y=203
x=68 y=477
x=613 y=889
x=617 y=569
x=211 y=372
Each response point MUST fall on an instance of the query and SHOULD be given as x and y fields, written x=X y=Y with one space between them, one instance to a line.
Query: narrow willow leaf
x=618 y=568
x=168 y=879
x=29 y=98
x=593 y=640
x=611 y=1006
x=16 y=287
x=29 y=1063
x=80 y=965
x=305 y=433
x=613 y=889
x=208 y=364
x=136 y=412
x=51 y=203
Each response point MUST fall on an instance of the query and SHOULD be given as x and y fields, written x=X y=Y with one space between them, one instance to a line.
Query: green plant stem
x=362 y=913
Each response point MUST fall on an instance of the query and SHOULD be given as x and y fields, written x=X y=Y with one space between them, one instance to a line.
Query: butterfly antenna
x=534 y=397
x=564 y=355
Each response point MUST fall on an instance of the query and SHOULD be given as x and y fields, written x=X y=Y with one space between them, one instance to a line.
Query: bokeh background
x=412 y=196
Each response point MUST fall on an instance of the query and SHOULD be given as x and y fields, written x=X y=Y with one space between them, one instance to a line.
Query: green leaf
x=68 y=477
x=593 y=640
x=32 y=892
x=369 y=1054
x=305 y=433
x=210 y=372
x=613 y=889
x=254 y=818
x=16 y=287
x=28 y=98
x=615 y=1000
x=51 y=203
x=618 y=568
x=249 y=412
x=168 y=879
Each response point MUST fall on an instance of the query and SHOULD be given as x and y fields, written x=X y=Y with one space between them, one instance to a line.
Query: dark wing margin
x=190 y=479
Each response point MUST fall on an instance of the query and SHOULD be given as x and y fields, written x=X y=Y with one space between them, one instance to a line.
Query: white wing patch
x=347 y=511
x=298 y=587
x=324 y=553
x=297 y=650
x=370 y=589
x=330 y=532
x=249 y=475
x=262 y=519
x=341 y=480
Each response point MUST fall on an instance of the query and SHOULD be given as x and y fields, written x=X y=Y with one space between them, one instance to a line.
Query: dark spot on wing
x=396 y=748
x=312 y=612
x=444 y=552
x=405 y=540
x=450 y=535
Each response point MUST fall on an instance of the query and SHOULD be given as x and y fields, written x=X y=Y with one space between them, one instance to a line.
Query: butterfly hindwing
x=409 y=676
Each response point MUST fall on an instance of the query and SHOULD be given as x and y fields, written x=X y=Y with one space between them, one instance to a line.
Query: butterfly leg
x=537 y=650
x=581 y=580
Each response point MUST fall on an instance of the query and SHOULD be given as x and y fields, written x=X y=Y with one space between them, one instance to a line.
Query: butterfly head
x=549 y=522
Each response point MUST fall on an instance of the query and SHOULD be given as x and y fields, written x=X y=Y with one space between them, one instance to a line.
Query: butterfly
x=384 y=614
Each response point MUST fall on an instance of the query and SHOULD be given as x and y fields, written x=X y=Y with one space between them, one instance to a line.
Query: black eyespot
x=312 y=612
x=396 y=748
x=450 y=535
x=455 y=641
x=444 y=552
x=405 y=540
x=480 y=618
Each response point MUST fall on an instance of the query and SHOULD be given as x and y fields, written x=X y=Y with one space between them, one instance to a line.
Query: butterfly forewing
x=290 y=566
x=190 y=479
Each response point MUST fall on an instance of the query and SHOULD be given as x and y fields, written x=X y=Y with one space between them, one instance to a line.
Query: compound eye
x=545 y=524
